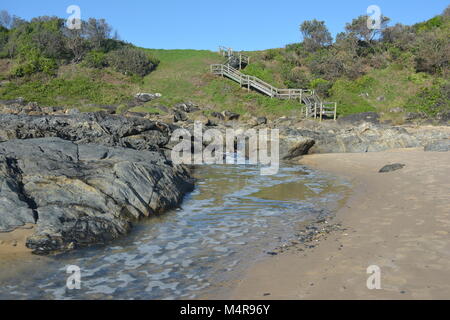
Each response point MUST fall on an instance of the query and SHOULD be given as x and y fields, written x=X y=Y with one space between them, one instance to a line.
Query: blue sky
x=242 y=25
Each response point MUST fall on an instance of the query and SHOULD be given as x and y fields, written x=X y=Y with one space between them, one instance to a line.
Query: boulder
x=392 y=167
x=230 y=116
x=218 y=115
x=179 y=116
x=146 y=97
x=301 y=148
x=187 y=107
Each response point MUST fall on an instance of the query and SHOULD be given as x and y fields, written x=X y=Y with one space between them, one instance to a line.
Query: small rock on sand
x=392 y=167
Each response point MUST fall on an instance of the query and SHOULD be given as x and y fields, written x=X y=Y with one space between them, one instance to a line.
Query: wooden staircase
x=313 y=107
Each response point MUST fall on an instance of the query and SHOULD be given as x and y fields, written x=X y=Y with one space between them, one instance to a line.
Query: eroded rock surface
x=79 y=194
x=84 y=178
x=101 y=128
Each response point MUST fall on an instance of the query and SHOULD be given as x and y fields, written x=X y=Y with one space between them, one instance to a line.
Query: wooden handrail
x=314 y=106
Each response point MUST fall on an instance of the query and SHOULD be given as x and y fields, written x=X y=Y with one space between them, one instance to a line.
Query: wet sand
x=13 y=243
x=399 y=221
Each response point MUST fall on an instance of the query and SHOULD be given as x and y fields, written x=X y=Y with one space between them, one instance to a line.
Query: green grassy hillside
x=182 y=75
x=406 y=69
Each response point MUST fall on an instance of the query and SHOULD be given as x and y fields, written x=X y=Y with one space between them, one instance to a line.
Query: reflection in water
x=233 y=217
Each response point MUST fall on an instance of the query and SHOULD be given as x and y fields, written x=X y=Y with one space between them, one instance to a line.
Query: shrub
x=259 y=70
x=295 y=77
x=432 y=100
x=95 y=59
x=31 y=61
x=270 y=54
x=348 y=96
x=432 y=51
x=321 y=86
x=132 y=61
x=315 y=35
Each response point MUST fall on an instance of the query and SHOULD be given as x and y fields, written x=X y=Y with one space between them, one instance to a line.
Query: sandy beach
x=398 y=221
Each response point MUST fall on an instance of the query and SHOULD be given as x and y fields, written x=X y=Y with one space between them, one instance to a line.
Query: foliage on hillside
x=44 y=44
x=399 y=67
x=368 y=70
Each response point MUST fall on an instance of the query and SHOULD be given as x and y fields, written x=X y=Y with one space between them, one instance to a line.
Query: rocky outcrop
x=100 y=128
x=301 y=148
x=438 y=146
x=79 y=194
x=82 y=179
x=334 y=138
x=187 y=107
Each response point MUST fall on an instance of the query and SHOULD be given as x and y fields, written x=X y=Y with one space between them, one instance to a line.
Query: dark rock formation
x=438 y=146
x=179 y=116
x=335 y=138
x=79 y=194
x=218 y=115
x=261 y=121
x=300 y=148
x=101 y=128
x=187 y=107
x=392 y=167
x=84 y=178
x=230 y=116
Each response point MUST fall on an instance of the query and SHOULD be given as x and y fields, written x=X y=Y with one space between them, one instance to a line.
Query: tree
x=446 y=13
x=358 y=27
x=97 y=31
x=3 y=41
x=399 y=35
x=132 y=61
x=432 y=50
x=48 y=37
x=76 y=43
x=5 y=19
x=315 y=35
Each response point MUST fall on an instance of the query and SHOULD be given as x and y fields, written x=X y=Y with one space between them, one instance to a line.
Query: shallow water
x=234 y=216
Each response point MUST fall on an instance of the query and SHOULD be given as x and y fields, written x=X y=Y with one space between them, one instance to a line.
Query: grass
x=183 y=75
x=380 y=90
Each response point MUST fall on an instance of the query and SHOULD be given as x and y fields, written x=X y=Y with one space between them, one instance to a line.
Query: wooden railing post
x=335 y=111
x=321 y=111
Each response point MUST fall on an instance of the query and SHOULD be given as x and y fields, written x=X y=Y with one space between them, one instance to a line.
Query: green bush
x=349 y=96
x=132 y=61
x=270 y=54
x=321 y=86
x=258 y=70
x=95 y=59
x=431 y=100
x=435 y=22
x=31 y=61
